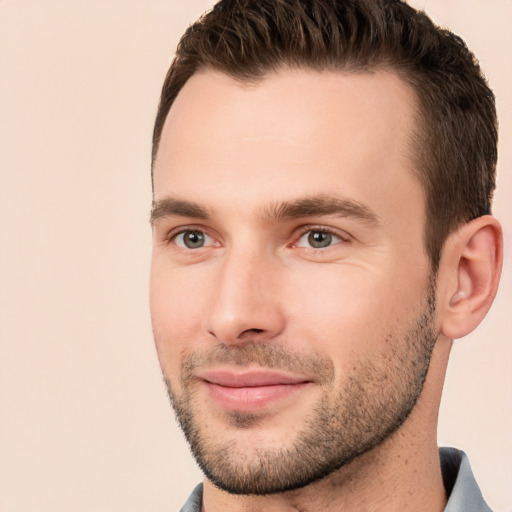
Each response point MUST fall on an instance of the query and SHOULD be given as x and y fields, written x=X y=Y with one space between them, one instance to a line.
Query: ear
x=469 y=273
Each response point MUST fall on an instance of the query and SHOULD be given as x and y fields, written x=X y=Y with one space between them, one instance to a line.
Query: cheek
x=348 y=312
x=176 y=304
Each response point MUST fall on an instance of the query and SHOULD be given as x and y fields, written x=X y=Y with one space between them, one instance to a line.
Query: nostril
x=251 y=331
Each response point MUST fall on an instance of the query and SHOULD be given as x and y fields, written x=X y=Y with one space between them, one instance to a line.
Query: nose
x=246 y=303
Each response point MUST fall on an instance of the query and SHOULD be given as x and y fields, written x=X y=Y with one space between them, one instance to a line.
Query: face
x=291 y=297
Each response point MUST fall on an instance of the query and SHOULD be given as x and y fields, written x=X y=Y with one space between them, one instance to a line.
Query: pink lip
x=252 y=390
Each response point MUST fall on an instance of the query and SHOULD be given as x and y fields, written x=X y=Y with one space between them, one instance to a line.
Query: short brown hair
x=455 y=144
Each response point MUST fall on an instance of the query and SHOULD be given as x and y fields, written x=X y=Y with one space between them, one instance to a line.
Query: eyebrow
x=324 y=204
x=173 y=207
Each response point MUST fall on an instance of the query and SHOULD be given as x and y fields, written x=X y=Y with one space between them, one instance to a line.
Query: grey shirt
x=461 y=487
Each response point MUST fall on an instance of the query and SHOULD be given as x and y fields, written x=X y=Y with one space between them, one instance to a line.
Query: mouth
x=251 y=391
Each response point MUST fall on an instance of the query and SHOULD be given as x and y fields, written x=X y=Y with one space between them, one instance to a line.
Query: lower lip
x=251 y=398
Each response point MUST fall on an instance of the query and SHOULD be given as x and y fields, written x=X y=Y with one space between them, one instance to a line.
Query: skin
x=258 y=281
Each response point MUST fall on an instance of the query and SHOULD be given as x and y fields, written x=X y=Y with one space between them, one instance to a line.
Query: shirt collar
x=461 y=488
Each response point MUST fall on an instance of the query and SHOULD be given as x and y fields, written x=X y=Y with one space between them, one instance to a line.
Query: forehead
x=293 y=132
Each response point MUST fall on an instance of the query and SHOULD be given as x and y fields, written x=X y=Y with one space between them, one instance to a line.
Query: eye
x=192 y=239
x=318 y=239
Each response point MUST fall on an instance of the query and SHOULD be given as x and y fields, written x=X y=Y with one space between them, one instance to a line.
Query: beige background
x=84 y=420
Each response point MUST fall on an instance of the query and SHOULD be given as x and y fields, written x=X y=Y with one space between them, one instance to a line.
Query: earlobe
x=471 y=268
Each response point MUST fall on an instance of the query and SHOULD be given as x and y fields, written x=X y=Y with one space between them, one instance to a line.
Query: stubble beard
x=375 y=400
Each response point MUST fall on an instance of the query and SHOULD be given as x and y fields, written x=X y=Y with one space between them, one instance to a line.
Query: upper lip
x=252 y=378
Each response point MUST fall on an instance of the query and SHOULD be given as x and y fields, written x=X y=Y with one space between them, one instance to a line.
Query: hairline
x=419 y=116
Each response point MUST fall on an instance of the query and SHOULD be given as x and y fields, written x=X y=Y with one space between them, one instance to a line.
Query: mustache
x=264 y=355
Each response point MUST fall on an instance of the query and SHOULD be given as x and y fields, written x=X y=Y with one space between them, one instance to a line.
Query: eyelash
x=319 y=229
x=172 y=235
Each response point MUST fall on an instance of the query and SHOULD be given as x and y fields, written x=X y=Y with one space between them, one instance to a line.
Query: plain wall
x=85 y=424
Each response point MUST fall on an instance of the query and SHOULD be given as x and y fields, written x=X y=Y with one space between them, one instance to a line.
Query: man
x=323 y=172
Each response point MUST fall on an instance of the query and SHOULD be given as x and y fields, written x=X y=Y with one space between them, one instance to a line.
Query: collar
x=461 y=488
